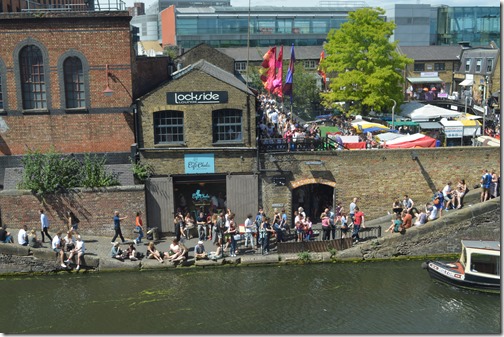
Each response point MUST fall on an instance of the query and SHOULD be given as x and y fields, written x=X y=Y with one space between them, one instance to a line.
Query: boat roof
x=478 y=244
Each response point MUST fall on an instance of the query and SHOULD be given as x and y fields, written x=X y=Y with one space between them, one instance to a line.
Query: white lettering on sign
x=191 y=97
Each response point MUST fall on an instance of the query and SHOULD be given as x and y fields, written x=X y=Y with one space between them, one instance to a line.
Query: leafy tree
x=367 y=65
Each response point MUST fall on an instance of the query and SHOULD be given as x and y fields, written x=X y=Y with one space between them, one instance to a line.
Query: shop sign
x=197 y=97
x=199 y=163
x=429 y=74
x=453 y=131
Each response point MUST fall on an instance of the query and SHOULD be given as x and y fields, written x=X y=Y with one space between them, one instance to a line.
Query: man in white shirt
x=250 y=228
x=79 y=250
x=56 y=247
x=23 y=236
x=447 y=195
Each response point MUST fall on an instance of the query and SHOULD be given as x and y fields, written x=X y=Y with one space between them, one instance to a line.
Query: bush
x=304 y=257
x=52 y=172
x=141 y=170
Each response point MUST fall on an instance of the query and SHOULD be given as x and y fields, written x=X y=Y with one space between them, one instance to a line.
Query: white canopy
x=428 y=112
x=388 y=136
x=406 y=138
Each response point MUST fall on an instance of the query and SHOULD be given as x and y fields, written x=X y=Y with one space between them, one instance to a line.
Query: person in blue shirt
x=117 y=227
x=486 y=181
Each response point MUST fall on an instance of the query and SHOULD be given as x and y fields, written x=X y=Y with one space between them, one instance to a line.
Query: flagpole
x=248 y=45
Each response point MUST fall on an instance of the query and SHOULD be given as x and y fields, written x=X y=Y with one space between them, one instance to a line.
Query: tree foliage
x=52 y=172
x=368 y=67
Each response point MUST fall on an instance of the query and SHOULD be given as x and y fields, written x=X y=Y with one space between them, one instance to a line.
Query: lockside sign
x=197 y=97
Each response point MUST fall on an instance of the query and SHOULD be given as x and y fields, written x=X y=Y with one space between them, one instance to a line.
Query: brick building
x=198 y=133
x=54 y=68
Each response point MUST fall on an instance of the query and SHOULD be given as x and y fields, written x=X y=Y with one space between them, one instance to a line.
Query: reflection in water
x=385 y=297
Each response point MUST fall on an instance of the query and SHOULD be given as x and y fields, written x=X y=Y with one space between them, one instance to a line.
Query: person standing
x=249 y=230
x=23 y=236
x=326 y=226
x=351 y=210
x=45 y=225
x=486 y=180
x=139 y=228
x=266 y=231
x=358 y=222
x=117 y=227
x=73 y=222
x=493 y=185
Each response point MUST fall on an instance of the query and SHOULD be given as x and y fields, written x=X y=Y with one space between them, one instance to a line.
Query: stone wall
x=93 y=208
x=377 y=177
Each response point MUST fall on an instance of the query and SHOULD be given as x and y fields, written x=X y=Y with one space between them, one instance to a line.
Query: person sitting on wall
x=5 y=236
x=153 y=253
x=57 y=245
x=396 y=225
x=116 y=252
x=407 y=219
x=33 y=241
x=131 y=252
x=79 y=250
x=199 y=251
x=23 y=236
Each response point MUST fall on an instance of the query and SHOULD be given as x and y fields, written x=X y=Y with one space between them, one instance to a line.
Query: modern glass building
x=269 y=26
x=424 y=25
x=476 y=25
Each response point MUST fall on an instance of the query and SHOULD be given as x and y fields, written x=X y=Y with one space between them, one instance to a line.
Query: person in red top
x=358 y=222
x=406 y=219
x=139 y=228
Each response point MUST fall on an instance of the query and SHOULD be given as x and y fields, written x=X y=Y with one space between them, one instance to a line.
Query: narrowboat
x=478 y=267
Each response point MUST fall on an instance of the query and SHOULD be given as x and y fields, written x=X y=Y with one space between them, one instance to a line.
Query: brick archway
x=303 y=182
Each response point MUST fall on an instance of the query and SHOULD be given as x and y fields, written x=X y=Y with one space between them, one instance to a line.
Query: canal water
x=373 y=297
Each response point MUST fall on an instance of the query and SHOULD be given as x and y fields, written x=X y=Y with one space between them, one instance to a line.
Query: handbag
x=136 y=230
x=237 y=237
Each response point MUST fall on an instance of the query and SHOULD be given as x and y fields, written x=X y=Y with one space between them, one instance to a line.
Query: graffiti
x=198 y=196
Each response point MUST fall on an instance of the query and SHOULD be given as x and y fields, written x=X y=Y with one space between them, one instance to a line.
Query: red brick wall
x=95 y=210
x=68 y=133
x=103 y=38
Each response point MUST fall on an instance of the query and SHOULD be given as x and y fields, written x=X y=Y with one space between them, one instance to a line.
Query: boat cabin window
x=488 y=264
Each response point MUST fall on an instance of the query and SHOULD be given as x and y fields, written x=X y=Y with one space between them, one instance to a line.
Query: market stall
x=410 y=141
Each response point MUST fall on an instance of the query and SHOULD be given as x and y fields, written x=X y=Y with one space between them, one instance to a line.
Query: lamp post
x=393 y=109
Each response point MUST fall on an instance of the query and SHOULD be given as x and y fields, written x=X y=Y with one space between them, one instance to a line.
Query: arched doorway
x=314 y=198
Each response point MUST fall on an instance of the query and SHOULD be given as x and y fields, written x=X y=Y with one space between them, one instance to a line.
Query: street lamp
x=107 y=92
x=393 y=109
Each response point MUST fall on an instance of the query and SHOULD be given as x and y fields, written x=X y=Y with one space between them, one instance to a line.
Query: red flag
x=269 y=63
x=277 y=83
x=320 y=70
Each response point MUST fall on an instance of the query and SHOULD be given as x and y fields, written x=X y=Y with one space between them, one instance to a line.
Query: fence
x=281 y=145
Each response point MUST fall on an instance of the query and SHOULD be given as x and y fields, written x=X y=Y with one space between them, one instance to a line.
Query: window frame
x=220 y=128
x=418 y=65
x=33 y=78
x=176 y=115
x=74 y=85
x=62 y=84
x=468 y=62
x=439 y=66
x=489 y=64
x=479 y=64
x=3 y=86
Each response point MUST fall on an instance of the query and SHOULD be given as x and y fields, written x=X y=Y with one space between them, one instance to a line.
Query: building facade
x=198 y=132
x=423 y=25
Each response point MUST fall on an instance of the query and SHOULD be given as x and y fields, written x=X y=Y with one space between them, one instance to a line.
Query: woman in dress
x=73 y=222
x=229 y=235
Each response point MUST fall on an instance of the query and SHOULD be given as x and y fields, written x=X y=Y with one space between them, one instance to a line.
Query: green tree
x=367 y=65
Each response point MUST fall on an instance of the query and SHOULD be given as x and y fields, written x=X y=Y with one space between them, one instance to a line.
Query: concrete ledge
x=259 y=259
x=44 y=253
x=209 y=263
x=14 y=249
x=87 y=260
x=114 y=264
x=154 y=264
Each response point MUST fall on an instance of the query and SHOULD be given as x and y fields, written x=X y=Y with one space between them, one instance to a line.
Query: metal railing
x=84 y=6
x=281 y=145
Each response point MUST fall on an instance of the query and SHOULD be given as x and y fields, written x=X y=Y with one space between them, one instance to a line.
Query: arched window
x=75 y=96
x=168 y=127
x=33 y=83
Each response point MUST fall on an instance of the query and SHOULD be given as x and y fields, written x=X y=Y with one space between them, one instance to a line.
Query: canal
x=373 y=297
